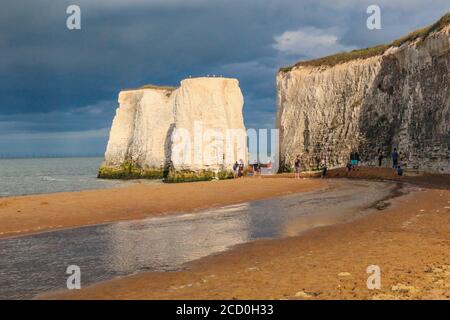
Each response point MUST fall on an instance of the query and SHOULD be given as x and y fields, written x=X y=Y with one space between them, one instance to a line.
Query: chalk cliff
x=158 y=131
x=396 y=95
x=210 y=109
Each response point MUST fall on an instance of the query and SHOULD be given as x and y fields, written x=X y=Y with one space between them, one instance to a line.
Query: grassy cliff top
x=152 y=86
x=169 y=88
x=343 y=57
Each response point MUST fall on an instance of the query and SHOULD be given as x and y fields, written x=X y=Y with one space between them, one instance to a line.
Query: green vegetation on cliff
x=128 y=171
x=193 y=176
x=152 y=86
x=343 y=57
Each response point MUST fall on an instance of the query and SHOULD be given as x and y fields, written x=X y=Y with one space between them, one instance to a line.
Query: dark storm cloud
x=47 y=72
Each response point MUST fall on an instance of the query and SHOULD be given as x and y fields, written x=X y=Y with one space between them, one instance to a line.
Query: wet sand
x=38 y=213
x=106 y=251
x=409 y=241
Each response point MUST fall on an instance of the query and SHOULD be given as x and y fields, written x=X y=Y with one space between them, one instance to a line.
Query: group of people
x=238 y=169
x=256 y=168
x=398 y=162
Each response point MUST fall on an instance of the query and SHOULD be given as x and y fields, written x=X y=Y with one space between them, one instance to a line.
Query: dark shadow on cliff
x=168 y=149
x=403 y=110
x=380 y=113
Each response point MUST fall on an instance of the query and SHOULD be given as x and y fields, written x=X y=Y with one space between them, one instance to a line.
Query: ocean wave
x=47 y=178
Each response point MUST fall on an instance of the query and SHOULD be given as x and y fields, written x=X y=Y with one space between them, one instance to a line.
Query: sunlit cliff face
x=398 y=99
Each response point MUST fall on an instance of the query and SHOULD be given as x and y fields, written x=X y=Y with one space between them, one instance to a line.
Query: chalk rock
x=146 y=131
x=210 y=110
x=140 y=128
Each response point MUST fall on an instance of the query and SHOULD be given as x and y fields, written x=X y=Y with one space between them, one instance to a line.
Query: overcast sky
x=59 y=87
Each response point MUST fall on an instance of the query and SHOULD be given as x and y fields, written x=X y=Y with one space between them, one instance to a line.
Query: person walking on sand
x=236 y=169
x=297 y=167
x=241 y=169
x=394 y=156
x=323 y=167
x=353 y=160
x=255 y=168
x=399 y=170
x=380 y=157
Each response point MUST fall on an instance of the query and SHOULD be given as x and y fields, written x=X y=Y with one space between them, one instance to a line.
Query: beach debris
x=177 y=287
x=306 y=295
x=436 y=270
x=402 y=288
x=344 y=274
x=384 y=296
x=253 y=269
x=303 y=294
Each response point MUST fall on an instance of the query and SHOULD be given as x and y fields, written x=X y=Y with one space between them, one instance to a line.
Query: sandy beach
x=409 y=241
x=38 y=213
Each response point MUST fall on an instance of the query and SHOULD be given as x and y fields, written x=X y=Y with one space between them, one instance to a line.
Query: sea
x=49 y=175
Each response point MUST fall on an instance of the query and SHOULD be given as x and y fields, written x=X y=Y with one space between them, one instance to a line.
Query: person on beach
x=380 y=157
x=353 y=161
x=297 y=167
x=399 y=170
x=255 y=168
x=323 y=168
x=241 y=169
x=394 y=157
x=349 y=166
x=236 y=169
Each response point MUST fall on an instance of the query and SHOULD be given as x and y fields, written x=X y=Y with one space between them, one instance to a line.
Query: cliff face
x=155 y=127
x=209 y=109
x=140 y=127
x=397 y=98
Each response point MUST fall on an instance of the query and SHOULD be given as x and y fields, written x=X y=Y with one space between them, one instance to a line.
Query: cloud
x=55 y=80
x=67 y=135
x=309 y=42
x=90 y=117
x=43 y=144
